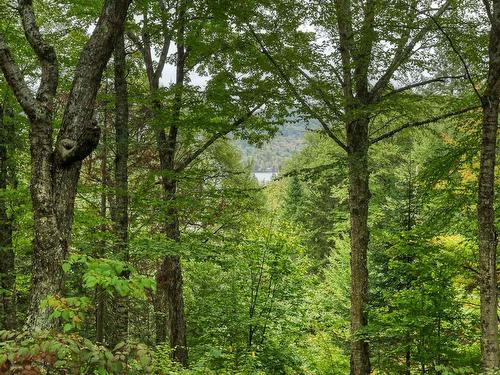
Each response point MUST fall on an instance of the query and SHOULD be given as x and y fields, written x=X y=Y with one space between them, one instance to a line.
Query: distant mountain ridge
x=270 y=157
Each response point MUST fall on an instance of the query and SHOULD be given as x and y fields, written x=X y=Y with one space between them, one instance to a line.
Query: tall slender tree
x=120 y=207
x=56 y=165
x=7 y=256
x=183 y=22
x=485 y=209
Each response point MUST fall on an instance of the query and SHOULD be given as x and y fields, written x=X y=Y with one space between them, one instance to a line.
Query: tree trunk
x=51 y=231
x=488 y=236
x=169 y=299
x=56 y=168
x=359 y=197
x=7 y=257
x=408 y=362
x=100 y=251
x=486 y=202
x=120 y=216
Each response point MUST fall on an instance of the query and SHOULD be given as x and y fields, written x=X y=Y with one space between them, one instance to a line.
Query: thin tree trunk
x=7 y=256
x=485 y=207
x=408 y=362
x=101 y=296
x=488 y=236
x=359 y=197
x=169 y=300
x=169 y=303
x=120 y=216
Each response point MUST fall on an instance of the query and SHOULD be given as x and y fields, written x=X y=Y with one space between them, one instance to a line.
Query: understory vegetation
x=135 y=238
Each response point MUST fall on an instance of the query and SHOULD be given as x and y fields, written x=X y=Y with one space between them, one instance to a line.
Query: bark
x=100 y=292
x=7 y=256
x=169 y=275
x=168 y=185
x=120 y=216
x=488 y=238
x=359 y=197
x=169 y=306
x=56 y=168
x=485 y=207
x=169 y=303
x=408 y=362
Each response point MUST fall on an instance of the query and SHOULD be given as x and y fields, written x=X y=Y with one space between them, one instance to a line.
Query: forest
x=135 y=238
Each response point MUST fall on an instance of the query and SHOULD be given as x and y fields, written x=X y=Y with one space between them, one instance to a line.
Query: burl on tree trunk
x=56 y=167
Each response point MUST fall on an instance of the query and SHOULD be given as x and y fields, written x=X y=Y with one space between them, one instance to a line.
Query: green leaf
x=67 y=327
x=66 y=267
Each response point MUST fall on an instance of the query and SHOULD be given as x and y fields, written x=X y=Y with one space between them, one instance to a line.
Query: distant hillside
x=270 y=157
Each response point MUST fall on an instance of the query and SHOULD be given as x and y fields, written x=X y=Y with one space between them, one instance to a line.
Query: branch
x=307 y=171
x=77 y=123
x=344 y=26
x=16 y=82
x=190 y=158
x=423 y=122
x=323 y=94
x=45 y=53
x=294 y=91
x=404 y=51
x=135 y=39
x=462 y=60
x=487 y=6
x=423 y=83
x=167 y=37
x=363 y=54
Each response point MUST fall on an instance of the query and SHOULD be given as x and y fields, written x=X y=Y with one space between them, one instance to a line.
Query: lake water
x=264 y=177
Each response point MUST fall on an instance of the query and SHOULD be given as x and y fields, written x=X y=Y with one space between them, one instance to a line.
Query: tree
x=490 y=99
x=292 y=204
x=229 y=103
x=356 y=97
x=56 y=167
x=120 y=207
x=7 y=256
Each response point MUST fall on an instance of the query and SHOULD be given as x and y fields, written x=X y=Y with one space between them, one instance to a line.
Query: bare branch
x=146 y=52
x=344 y=25
x=403 y=53
x=77 y=123
x=423 y=83
x=135 y=39
x=423 y=122
x=363 y=54
x=294 y=91
x=462 y=60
